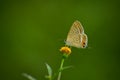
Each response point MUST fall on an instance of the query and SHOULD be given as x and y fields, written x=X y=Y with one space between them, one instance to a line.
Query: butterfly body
x=76 y=36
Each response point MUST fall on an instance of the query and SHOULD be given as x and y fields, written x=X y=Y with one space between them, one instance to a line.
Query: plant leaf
x=66 y=67
x=49 y=70
x=28 y=76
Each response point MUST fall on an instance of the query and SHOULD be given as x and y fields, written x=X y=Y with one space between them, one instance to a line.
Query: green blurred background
x=32 y=32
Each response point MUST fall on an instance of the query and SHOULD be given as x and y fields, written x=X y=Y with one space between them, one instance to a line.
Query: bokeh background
x=32 y=32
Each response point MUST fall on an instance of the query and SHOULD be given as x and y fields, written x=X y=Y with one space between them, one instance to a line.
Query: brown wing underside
x=74 y=35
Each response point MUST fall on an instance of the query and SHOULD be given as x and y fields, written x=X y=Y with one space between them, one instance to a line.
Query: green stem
x=60 y=69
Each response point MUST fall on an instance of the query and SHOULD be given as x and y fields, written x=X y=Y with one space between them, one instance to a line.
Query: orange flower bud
x=65 y=50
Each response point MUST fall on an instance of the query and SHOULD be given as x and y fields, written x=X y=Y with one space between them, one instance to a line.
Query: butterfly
x=76 y=36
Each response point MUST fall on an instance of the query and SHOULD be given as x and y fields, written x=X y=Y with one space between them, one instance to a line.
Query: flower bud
x=65 y=50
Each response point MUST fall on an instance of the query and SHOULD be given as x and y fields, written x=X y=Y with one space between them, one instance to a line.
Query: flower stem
x=60 y=69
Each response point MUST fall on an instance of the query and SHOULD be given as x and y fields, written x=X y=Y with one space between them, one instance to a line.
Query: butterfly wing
x=74 y=35
x=84 y=40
